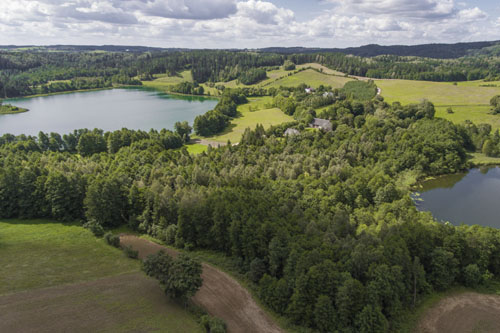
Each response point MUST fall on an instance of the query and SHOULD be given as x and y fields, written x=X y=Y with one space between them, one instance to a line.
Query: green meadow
x=257 y=111
x=311 y=78
x=57 y=275
x=468 y=100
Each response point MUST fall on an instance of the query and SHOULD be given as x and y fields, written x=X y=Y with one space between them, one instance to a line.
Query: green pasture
x=257 y=111
x=311 y=78
x=478 y=114
x=468 y=100
x=38 y=254
x=439 y=93
x=87 y=279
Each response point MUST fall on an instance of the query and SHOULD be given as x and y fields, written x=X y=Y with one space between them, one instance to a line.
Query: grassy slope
x=440 y=93
x=257 y=111
x=311 y=78
x=38 y=254
x=196 y=148
x=468 y=100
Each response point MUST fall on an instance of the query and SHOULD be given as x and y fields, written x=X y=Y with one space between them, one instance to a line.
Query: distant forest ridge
x=438 y=51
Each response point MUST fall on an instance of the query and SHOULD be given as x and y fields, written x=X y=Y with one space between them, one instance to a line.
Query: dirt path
x=220 y=294
x=214 y=144
x=464 y=313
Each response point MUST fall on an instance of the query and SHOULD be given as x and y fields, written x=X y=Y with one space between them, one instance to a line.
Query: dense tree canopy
x=322 y=222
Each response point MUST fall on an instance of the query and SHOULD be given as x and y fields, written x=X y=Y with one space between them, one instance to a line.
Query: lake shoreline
x=107 y=109
x=466 y=197
x=110 y=88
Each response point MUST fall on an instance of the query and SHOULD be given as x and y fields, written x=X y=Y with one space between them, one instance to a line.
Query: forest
x=322 y=223
x=30 y=73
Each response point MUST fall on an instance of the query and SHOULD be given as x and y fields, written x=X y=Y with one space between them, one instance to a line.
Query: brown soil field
x=130 y=302
x=463 y=313
x=220 y=295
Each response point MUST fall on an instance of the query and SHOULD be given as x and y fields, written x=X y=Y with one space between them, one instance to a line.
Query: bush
x=94 y=227
x=130 y=252
x=257 y=270
x=212 y=324
x=170 y=234
x=179 y=277
x=472 y=276
x=289 y=66
x=111 y=239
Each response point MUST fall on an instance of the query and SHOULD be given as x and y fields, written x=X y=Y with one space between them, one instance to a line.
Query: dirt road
x=463 y=313
x=220 y=294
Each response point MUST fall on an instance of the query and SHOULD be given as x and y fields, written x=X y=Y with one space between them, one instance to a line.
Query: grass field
x=479 y=159
x=196 y=148
x=38 y=254
x=311 y=78
x=257 y=111
x=439 y=93
x=276 y=78
x=468 y=100
x=56 y=276
x=477 y=114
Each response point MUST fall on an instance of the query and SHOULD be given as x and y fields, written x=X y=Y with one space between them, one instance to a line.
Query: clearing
x=463 y=313
x=469 y=100
x=258 y=110
x=58 y=277
x=220 y=294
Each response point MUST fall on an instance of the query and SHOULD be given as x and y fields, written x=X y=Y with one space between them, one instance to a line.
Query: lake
x=470 y=198
x=133 y=108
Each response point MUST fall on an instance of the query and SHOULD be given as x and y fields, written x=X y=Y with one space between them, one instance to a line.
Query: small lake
x=470 y=198
x=134 y=108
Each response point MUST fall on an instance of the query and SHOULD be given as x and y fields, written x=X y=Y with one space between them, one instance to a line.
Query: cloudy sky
x=247 y=23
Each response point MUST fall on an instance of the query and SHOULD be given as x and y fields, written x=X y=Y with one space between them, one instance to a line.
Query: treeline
x=215 y=121
x=76 y=84
x=437 y=51
x=25 y=73
x=410 y=68
x=89 y=142
x=187 y=88
x=21 y=73
x=322 y=223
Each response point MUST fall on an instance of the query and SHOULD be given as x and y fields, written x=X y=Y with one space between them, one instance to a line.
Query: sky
x=247 y=23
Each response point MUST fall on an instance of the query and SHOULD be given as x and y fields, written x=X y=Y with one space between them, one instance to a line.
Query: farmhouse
x=323 y=124
x=309 y=90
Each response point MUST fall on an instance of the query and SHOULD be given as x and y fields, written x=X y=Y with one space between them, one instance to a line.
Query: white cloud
x=428 y=9
x=181 y=9
x=264 y=12
x=472 y=14
x=240 y=23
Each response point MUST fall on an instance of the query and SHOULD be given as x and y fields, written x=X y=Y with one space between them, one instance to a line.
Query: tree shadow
x=39 y=222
